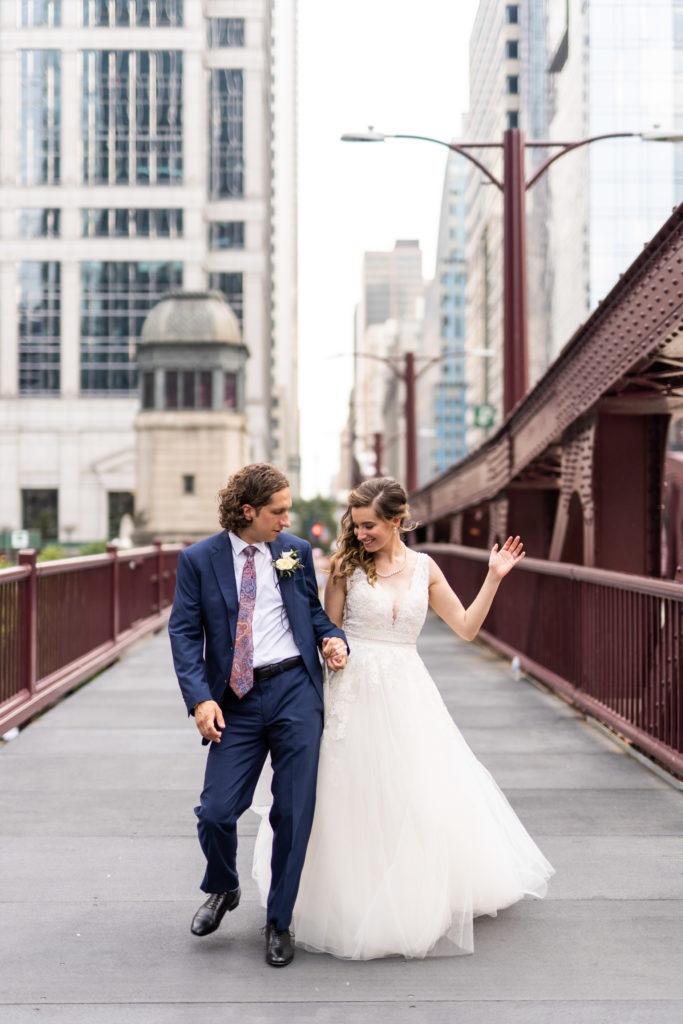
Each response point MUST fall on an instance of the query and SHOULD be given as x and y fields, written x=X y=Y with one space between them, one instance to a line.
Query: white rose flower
x=284 y=563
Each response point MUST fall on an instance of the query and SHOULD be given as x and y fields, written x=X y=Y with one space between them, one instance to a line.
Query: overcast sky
x=401 y=67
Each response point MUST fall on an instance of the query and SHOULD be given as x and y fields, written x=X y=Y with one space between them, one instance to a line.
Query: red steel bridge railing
x=609 y=642
x=60 y=622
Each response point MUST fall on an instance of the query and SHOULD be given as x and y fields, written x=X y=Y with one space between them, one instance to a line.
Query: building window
x=39 y=511
x=39 y=316
x=512 y=14
x=226 y=127
x=171 y=389
x=226 y=32
x=148 y=390
x=232 y=287
x=40 y=128
x=230 y=391
x=513 y=118
x=197 y=392
x=41 y=13
x=183 y=389
x=115 y=299
x=39 y=223
x=188 y=389
x=134 y=13
x=126 y=223
x=512 y=49
x=120 y=504
x=204 y=389
x=188 y=484
x=512 y=84
x=132 y=120
x=226 y=234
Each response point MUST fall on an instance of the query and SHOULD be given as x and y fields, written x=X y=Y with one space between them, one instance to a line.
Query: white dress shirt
x=271 y=632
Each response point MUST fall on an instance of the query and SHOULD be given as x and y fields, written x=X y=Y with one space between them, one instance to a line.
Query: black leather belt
x=266 y=671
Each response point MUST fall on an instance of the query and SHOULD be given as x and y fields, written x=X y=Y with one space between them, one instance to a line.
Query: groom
x=245 y=630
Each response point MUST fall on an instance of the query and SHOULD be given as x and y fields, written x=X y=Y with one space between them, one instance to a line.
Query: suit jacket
x=203 y=621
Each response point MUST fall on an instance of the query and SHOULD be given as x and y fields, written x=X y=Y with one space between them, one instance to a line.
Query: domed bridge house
x=191 y=430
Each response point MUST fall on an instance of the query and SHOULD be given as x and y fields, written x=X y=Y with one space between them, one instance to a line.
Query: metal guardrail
x=609 y=642
x=62 y=621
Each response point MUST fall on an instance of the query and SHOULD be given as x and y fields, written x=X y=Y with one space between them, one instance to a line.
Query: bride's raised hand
x=506 y=558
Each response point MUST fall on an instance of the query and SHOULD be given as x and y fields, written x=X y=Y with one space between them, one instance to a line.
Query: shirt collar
x=238 y=545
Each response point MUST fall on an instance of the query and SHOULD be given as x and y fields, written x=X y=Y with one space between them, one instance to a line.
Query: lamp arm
x=455 y=148
x=381 y=359
x=455 y=354
x=575 y=145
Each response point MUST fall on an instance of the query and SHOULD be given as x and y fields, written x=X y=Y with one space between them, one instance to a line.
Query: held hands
x=501 y=561
x=209 y=719
x=334 y=652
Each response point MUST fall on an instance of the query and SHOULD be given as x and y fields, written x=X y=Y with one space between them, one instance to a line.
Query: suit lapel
x=286 y=584
x=224 y=568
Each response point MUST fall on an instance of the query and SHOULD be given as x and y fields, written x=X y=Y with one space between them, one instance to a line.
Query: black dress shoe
x=279 y=948
x=211 y=913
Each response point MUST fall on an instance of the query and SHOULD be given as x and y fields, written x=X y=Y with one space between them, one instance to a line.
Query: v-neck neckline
x=396 y=609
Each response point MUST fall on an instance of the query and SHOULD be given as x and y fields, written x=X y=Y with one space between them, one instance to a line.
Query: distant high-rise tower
x=612 y=67
x=145 y=147
x=441 y=390
x=495 y=94
x=392 y=300
x=568 y=70
x=392 y=282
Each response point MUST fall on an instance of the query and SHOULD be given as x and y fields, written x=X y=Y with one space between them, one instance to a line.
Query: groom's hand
x=334 y=652
x=209 y=719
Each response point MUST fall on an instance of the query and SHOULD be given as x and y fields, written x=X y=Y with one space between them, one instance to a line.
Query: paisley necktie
x=242 y=674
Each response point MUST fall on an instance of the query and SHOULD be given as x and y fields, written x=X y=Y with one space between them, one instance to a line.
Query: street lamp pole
x=514 y=187
x=411 y=426
x=378 y=445
x=409 y=375
x=515 y=308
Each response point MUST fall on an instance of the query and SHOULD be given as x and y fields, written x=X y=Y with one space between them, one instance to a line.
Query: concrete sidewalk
x=100 y=872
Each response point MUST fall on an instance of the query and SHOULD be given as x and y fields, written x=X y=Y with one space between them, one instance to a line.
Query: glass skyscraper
x=614 y=66
x=443 y=398
x=569 y=70
x=146 y=146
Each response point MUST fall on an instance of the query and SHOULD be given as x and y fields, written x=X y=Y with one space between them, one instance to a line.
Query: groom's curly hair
x=389 y=501
x=254 y=485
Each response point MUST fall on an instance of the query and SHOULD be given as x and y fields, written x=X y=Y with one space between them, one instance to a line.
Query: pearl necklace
x=394 y=572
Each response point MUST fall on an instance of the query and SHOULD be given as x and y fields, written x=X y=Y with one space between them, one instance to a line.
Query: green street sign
x=484 y=415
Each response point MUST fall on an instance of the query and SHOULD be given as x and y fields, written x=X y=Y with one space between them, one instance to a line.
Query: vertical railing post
x=29 y=615
x=113 y=552
x=158 y=546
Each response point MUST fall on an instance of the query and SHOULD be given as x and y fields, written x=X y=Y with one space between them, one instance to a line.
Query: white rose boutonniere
x=287 y=564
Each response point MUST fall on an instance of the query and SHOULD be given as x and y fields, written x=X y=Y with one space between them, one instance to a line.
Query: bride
x=412 y=838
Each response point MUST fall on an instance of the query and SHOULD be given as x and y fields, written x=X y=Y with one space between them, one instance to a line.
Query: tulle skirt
x=412 y=838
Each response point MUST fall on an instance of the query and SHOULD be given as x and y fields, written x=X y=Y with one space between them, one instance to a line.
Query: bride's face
x=371 y=531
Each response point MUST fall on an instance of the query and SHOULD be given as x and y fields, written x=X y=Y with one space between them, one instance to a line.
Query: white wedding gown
x=412 y=837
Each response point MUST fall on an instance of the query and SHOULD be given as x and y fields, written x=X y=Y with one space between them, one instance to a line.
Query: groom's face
x=265 y=523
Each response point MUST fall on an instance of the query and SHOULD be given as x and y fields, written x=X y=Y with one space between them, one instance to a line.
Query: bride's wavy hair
x=389 y=501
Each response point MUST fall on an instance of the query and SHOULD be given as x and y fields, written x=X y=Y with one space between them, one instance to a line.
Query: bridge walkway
x=101 y=866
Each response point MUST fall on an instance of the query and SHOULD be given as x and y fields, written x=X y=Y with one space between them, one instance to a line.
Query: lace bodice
x=369 y=611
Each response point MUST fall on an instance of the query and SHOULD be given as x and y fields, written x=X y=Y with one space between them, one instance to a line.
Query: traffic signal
x=316 y=529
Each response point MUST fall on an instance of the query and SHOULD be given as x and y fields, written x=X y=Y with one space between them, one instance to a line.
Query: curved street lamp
x=514 y=187
x=408 y=374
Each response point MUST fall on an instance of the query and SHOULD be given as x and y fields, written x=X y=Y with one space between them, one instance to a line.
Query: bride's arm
x=335 y=597
x=467 y=622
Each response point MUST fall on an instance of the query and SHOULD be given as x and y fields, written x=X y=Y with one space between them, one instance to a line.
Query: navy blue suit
x=282 y=714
